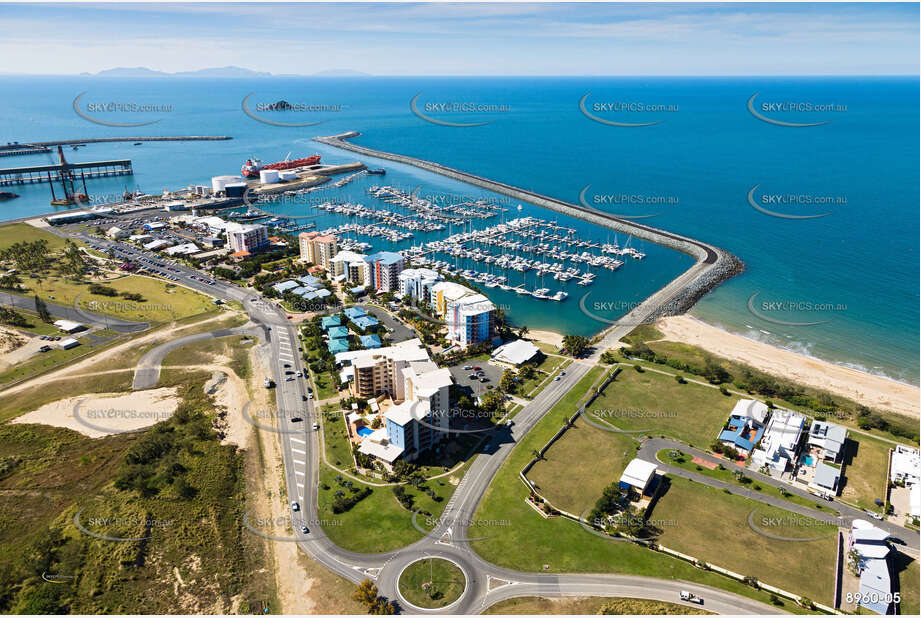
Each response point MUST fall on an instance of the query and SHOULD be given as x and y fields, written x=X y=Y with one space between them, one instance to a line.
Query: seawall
x=712 y=264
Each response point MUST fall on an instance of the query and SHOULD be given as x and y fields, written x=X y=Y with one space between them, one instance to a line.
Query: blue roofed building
x=323 y=293
x=370 y=342
x=365 y=322
x=337 y=331
x=358 y=290
x=336 y=346
x=745 y=426
x=330 y=321
x=354 y=312
x=285 y=286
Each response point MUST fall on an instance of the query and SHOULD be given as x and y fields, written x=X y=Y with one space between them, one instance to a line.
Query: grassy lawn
x=36 y=327
x=908 y=575
x=589 y=605
x=713 y=526
x=323 y=385
x=378 y=523
x=336 y=440
x=657 y=404
x=725 y=475
x=865 y=471
x=565 y=546
x=23 y=232
x=593 y=456
x=432 y=583
x=162 y=302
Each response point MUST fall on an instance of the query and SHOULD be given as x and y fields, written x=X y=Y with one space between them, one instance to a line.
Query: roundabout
x=431 y=583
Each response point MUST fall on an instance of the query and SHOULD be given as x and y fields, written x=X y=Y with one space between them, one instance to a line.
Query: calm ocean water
x=843 y=287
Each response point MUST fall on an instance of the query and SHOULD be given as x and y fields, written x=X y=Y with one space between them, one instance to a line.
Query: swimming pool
x=364 y=431
x=808 y=460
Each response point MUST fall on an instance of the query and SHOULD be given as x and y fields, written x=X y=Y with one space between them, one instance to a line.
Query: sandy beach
x=870 y=390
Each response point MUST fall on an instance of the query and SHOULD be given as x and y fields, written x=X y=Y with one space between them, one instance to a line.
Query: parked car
x=295 y=506
x=304 y=530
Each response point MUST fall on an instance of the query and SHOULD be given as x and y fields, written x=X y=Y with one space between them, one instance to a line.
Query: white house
x=828 y=438
x=637 y=475
x=869 y=543
x=780 y=441
x=905 y=466
x=69 y=326
x=117 y=232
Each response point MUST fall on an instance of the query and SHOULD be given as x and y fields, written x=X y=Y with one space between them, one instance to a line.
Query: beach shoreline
x=871 y=390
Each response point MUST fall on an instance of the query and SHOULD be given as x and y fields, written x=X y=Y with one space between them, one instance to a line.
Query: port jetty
x=711 y=267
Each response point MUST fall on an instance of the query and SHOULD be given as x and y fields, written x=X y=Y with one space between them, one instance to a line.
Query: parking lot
x=399 y=331
x=476 y=387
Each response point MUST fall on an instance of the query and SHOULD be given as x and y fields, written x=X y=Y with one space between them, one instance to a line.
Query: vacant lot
x=866 y=464
x=379 y=522
x=907 y=572
x=23 y=232
x=658 y=405
x=580 y=465
x=565 y=547
x=714 y=526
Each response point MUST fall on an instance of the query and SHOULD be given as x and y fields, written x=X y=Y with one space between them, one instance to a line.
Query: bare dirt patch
x=108 y=411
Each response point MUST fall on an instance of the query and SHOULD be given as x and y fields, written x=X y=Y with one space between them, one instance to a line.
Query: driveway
x=461 y=376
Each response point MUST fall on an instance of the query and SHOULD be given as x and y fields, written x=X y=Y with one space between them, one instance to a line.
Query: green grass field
x=713 y=526
x=432 y=583
x=538 y=606
x=379 y=522
x=658 y=405
x=565 y=546
x=908 y=574
x=162 y=302
x=577 y=468
x=23 y=232
x=866 y=464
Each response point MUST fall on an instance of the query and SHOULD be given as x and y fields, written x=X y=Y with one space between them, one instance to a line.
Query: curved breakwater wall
x=712 y=264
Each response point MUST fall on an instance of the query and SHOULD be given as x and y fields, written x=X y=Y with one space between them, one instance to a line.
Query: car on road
x=291 y=379
x=316 y=426
x=295 y=506
x=556 y=379
x=304 y=530
x=300 y=374
x=309 y=395
x=691 y=598
x=296 y=419
x=562 y=373
x=303 y=397
x=287 y=365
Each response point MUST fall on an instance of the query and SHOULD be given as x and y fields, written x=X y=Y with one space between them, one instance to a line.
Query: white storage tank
x=268 y=177
x=287 y=176
x=219 y=182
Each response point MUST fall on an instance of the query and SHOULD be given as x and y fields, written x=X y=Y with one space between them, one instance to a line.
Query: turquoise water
x=807 y=460
x=858 y=267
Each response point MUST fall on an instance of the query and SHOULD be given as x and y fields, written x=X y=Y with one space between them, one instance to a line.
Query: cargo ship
x=253 y=166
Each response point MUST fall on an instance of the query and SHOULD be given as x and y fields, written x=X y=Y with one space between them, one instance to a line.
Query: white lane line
x=299 y=473
x=300 y=486
x=298 y=440
x=297 y=450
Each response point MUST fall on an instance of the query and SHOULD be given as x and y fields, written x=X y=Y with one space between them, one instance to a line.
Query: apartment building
x=385 y=268
x=318 y=249
x=417 y=283
x=248 y=238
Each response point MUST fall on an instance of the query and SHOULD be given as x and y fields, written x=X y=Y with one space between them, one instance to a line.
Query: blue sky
x=467 y=39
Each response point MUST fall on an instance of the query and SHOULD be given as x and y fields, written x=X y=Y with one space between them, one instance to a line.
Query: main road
x=486 y=583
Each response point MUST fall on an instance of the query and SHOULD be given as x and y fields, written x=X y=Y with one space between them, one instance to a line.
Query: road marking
x=300 y=485
x=298 y=440
x=298 y=472
x=297 y=450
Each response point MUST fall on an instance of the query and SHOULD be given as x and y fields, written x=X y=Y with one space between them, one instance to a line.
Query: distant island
x=228 y=71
